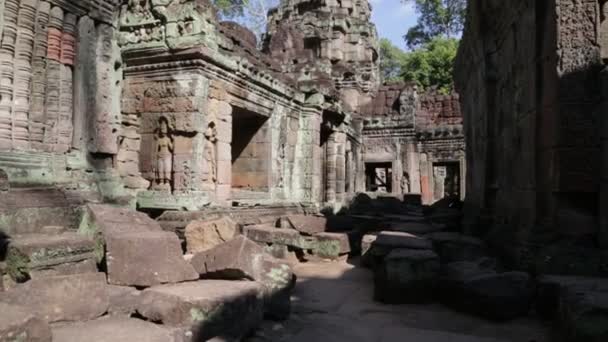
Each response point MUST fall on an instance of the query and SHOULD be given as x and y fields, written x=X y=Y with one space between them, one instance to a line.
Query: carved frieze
x=166 y=24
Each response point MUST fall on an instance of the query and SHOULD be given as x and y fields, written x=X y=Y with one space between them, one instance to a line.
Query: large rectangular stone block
x=207 y=308
x=146 y=259
x=19 y=324
x=76 y=297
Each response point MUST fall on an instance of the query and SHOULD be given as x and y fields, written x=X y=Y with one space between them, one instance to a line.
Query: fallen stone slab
x=410 y=218
x=39 y=255
x=305 y=224
x=407 y=276
x=402 y=240
x=241 y=258
x=22 y=325
x=204 y=235
x=104 y=219
x=75 y=297
x=500 y=296
x=114 y=329
x=123 y=300
x=145 y=258
x=415 y=227
x=453 y=247
x=272 y=235
x=583 y=315
x=381 y=244
x=205 y=309
x=551 y=289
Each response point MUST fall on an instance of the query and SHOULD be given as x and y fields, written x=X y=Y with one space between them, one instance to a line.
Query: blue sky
x=393 y=19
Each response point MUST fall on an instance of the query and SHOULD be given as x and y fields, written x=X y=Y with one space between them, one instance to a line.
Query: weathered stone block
x=241 y=258
x=204 y=235
x=453 y=247
x=34 y=255
x=123 y=300
x=501 y=296
x=331 y=245
x=114 y=329
x=20 y=324
x=407 y=276
x=207 y=308
x=415 y=227
x=305 y=224
x=270 y=234
x=130 y=260
x=62 y=298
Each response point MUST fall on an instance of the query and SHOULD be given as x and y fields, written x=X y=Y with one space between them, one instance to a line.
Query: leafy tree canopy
x=391 y=61
x=437 y=18
x=432 y=64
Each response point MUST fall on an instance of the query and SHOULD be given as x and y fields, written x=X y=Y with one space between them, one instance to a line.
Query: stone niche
x=178 y=148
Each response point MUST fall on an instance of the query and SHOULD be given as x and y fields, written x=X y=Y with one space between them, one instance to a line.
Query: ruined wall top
x=328 y=46
x=403 y=104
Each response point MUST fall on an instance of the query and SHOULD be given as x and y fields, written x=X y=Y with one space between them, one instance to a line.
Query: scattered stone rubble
x=137 y=276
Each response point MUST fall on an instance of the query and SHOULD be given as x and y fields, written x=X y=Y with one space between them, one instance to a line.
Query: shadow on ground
x=333 y=302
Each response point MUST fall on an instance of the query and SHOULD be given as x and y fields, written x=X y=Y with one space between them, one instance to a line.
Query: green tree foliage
x=432 y=64
x=252 y=14
x=391 y=61
x=230 y=8
x=437 y=18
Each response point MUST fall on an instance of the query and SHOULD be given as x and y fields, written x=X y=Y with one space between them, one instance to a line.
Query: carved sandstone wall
x=528 y=73
x=414 y=131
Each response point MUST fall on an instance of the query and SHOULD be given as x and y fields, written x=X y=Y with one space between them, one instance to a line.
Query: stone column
x=224 y=152
x=330 y=168
x=340 y=165
x=425 y=179
x=307 y=171
x=414 y=169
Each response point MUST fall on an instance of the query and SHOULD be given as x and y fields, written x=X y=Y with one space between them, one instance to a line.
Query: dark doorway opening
x=250 y=151
x=446 y=179
x=379 y=177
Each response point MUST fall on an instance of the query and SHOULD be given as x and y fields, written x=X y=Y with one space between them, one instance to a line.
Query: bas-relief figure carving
x=164 y=156
x=210 y=154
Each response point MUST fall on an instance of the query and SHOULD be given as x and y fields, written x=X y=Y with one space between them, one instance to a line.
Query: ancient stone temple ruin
x=164 y=175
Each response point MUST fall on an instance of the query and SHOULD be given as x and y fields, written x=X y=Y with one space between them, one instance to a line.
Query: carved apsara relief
x=210 y=154
x=164 y=156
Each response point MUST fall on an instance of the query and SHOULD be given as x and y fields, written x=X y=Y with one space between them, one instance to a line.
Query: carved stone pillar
x=340 y=137
x=330 y=168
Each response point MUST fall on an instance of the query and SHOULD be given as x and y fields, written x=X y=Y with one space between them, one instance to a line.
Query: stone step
x=20 y=324
x=114 y=329
x=62 y=298
x=205 y=309
x=38 y=255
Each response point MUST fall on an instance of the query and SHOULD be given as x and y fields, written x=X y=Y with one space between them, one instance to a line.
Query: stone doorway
x=446 y=180
x=250 y=153
x=379 y=177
